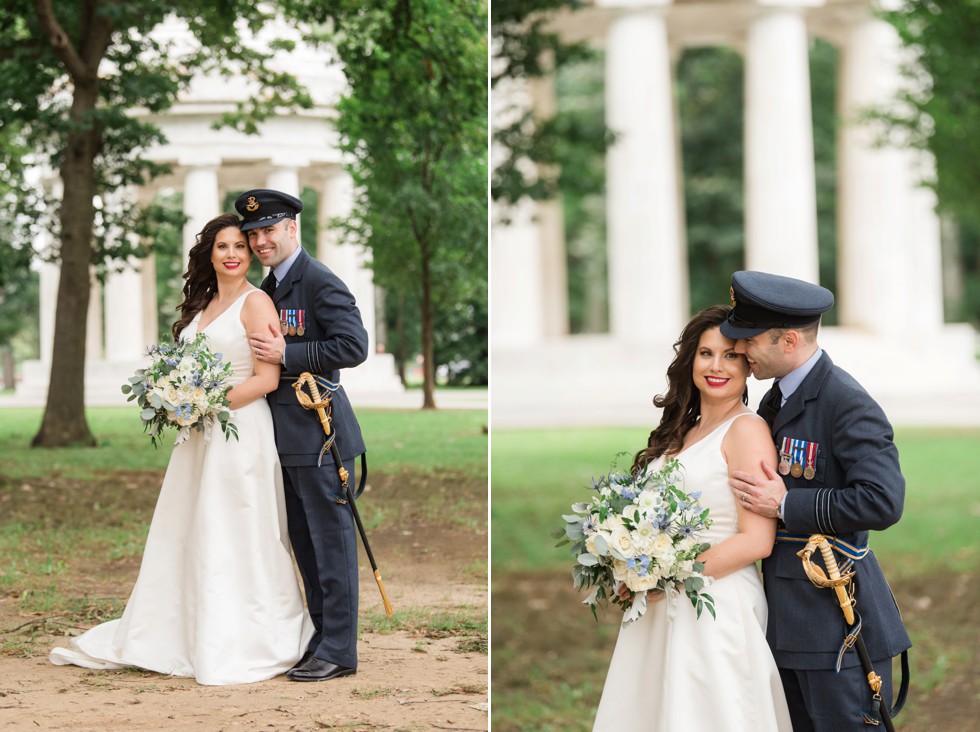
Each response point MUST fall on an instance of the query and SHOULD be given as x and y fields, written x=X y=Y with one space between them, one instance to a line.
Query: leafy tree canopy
x=414 y=123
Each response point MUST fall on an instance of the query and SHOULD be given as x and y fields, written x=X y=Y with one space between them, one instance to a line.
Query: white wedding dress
x=674 y=672
x=217 y=596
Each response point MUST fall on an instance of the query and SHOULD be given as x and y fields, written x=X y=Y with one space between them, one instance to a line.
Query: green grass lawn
x=422 y=441
x=69 y=516
x=537 y=474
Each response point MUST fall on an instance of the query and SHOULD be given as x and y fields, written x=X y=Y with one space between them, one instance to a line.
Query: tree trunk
x=9 y=376
x=428 y=341
x=402 y=351
x=64 y=422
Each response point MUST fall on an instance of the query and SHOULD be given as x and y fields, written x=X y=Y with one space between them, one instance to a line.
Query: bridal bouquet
x=642 y=530
x=184 y=387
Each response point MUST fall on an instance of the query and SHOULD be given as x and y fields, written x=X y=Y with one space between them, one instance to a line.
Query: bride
x=216 y=597
x=671 y=670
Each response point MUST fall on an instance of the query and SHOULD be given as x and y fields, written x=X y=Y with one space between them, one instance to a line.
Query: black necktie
x=772 y=404
x=269 y=284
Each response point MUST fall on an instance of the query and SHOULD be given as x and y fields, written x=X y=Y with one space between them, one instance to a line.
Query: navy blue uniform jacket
x=858 y=488
x=334 y=338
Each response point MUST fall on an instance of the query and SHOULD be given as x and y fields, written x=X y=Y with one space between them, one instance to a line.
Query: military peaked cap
x=762 y=301
x=263 y=207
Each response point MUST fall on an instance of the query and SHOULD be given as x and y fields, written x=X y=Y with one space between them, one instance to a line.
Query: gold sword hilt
x=315 y=403
x=833 y=577
x=830 y=562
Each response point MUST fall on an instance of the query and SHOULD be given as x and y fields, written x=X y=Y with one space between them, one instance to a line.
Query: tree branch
x=61 y=43
x=97 y=37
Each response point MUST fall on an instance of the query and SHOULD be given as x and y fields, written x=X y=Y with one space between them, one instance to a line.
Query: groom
x=838 y=476
x=321 y=332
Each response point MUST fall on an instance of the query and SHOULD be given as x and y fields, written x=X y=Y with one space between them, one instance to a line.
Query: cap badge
x=251 y=205
x=731 y=292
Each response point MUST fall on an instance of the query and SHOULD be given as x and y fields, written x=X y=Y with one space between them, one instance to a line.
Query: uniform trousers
x=827 y=701
x=324 y=539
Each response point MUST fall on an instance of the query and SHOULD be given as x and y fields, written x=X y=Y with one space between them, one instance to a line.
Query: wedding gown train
x=673 y=671
x=217 y=597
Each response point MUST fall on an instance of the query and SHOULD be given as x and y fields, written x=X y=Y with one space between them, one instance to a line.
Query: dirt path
x=403 y=683
x=423 y=675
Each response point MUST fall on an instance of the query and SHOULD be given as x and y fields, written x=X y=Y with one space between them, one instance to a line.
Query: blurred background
x=644 y=150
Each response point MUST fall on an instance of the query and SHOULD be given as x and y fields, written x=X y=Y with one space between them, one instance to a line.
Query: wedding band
x=745 y=497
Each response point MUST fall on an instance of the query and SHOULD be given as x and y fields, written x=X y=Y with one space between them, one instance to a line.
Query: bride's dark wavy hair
x=200 y=280
x=681 y=403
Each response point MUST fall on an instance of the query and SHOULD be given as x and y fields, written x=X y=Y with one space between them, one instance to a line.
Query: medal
x=300 y=329
x=283 y=324
x=784 y=457
x=292 y=322
x=811 y=458
x=797 y=469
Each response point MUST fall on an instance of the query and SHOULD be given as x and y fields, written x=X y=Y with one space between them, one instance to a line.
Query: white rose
x=662 y=544
x=639 y=583
x=663 y=551
x=612 y=522
x=619 y=570
x=621 y=541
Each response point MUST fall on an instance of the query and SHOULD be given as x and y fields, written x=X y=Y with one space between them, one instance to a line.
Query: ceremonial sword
x=322 y=407
x=839 y=582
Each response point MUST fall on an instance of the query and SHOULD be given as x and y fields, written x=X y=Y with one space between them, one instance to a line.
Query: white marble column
x=377 y=375
x=515 y=279
x=124 y=323
x=926 y=312
x=647 y=271
x=201 y=202
x=285 y=178
x=148 y=274
x=551 y=229
x=780 y=188
x=516 y=249
x=347 y=261
x=888 y=231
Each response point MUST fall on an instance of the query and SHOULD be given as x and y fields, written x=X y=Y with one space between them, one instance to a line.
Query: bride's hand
x=623 y=592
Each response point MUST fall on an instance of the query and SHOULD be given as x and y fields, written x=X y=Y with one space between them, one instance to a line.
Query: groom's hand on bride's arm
x=761 y=494
x=268 y=347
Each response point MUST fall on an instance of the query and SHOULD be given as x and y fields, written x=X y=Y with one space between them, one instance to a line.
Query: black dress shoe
x=306 y=657
x=316 y=669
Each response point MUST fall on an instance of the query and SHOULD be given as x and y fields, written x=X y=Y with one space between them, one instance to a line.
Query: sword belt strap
x=321 y=381
x=851 y=551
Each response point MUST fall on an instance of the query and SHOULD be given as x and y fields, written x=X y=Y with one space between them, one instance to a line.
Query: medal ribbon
x=798 y=452
x=811 y=455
